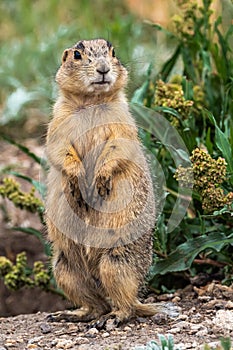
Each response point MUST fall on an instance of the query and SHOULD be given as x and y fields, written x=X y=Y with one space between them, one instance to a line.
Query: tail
x=143 y=310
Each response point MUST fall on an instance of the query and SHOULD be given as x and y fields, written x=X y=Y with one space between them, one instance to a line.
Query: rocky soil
x=203 y=315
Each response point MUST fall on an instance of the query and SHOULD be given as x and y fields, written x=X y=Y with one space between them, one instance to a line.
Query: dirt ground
x=200 y=314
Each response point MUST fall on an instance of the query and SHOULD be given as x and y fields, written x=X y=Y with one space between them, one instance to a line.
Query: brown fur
x=100 y=204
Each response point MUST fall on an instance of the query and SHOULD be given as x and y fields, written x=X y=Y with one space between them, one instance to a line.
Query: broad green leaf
x=140 y=93
x=39 y=186
x=168 y=110
x=182 y=258
x=208 y=142
x=32 y=231
x=27 y=151
x=170 y=63
x=188 y=64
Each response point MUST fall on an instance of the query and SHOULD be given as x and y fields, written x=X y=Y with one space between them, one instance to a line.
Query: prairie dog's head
x=91 y=67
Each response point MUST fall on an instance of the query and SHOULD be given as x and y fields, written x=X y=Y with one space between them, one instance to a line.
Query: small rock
x=159 y=318
x=92 y=331
x=45 y=328
x=194 y=345
x=2 y=348
x=195 y=327
x=127 y=329
x=142 y=319
x=35 y=340
x=165 y=297
x=183 y=325
x=202 y=332
x=64 y=344
x=176 y=299
x=204 y=298
x=10 y=342
x=33 y=346
x=83 y=347
x=150 y=300
x=110 y=325
x=175 y=330
x=182 y=317
x=105 y=335
x=229 y=305
x=81 y=340
x=213 y=344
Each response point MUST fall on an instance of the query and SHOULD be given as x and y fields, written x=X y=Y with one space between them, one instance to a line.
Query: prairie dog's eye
x=77 y=55
x=113 y=53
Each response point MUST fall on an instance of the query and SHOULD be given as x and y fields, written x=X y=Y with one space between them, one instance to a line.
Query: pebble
x=110 y=325
x=159 y=319
x=195 y=327
x=204 y=298
x=45 y=328
x=92 y=331
x=142 y=319
x=82 y=340
x=64 y=344
x=127 y=329
x=11 y=342
x=182 y=317
x=105 y=335
x=202 y=332
x=83 y=347
x=165 y=297
x=213 y=344
x=176 y=299
x=2 y=348
x=183 y=325
x=150 y=300
x=175 y=330
x=33 y=346
x=229 y=304
x=35 y=340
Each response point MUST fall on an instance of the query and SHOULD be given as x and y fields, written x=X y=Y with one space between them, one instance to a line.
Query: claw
x=98 y=324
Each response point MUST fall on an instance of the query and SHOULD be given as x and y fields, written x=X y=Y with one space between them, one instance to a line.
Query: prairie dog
x=100 y=201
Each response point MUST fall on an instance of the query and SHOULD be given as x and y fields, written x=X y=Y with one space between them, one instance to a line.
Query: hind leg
x=81 y=289
x=121 y=285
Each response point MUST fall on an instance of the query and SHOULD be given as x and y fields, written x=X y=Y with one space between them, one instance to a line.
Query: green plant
x=20 y=274
x=225 y=345
x=197 y=102
x=165 y=344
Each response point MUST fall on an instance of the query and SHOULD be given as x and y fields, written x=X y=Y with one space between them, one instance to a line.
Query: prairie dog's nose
x=102 y=67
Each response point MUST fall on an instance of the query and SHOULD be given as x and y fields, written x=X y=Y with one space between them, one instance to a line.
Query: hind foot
x=118 y=317
x=79 y=315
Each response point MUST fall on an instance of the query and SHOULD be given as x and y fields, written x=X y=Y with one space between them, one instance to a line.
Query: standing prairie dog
x=100 y=202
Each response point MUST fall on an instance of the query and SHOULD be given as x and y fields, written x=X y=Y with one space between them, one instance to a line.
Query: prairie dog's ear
x=64 y=56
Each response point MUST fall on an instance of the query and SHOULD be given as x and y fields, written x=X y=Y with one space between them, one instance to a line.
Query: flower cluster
x=172 y=95
x=11 y=189
x=19 y=275
x=186 y=23
x=41 y=275
x=208 y=174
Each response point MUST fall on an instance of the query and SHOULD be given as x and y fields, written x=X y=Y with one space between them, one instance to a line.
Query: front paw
x=104 y=185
